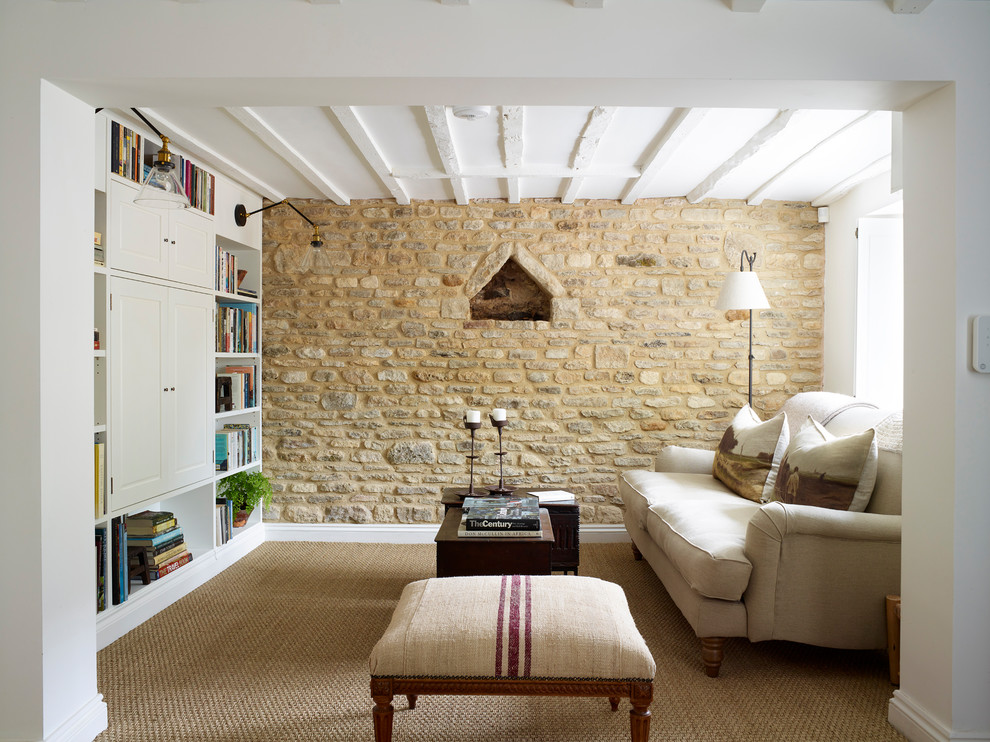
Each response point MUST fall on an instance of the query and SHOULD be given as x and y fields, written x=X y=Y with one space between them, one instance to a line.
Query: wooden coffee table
x=565 y=517
x=500 y=555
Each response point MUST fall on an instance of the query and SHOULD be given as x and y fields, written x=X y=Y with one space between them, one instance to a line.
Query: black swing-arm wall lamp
x=742 y=290
x=241 y=215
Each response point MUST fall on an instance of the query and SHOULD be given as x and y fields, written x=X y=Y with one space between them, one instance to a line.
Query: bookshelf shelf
x=157 y=310
x=237 y=413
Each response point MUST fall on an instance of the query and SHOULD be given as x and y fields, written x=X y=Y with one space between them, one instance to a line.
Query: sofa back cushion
x=749 y=454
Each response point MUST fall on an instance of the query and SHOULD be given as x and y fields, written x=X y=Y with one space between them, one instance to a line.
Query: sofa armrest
x=821 y=576
x=682 y=460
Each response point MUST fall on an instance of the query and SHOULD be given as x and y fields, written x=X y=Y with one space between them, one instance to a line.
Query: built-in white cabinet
x=175 y=244
x=167 y=287
x=161 y=390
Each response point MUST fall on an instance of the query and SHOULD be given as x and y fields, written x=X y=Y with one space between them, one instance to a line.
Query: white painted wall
x=633 y=52
x=841 y=260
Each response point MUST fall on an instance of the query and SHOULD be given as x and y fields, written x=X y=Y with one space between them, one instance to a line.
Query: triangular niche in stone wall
x=512 y=294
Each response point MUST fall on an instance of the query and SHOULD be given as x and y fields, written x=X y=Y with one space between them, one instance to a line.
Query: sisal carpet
x=275 y=649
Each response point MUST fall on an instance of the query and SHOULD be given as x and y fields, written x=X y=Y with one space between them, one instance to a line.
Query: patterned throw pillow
x=749 y=453
x=828 y=471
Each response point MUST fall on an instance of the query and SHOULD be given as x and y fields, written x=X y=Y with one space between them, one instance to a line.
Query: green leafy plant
x=246 y=490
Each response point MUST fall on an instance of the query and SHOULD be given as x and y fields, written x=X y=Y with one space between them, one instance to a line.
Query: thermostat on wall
x=981 y=344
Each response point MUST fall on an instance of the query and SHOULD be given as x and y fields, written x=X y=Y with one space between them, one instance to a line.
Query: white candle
x=498 y=414
x=473 y=416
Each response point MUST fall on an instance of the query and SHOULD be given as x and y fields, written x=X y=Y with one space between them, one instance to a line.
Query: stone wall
x=371 y=358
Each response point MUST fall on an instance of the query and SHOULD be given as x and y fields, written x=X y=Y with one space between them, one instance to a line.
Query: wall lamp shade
x=162 y=188
x=742 y=290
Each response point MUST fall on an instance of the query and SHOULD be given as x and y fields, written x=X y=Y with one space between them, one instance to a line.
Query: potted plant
x=245 y=490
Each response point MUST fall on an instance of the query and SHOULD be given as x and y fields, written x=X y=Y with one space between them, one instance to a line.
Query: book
x=143 y=529
x=554 y=496
x=502 y=514
x=149 y=517
x=156 y=550
x=157 y=540
x=168 y=567
x=100 y=464
x=101 y=569
x=167 y=556
x=463 y=532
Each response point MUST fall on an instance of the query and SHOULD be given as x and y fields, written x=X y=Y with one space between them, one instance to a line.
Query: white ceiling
x=345 y=153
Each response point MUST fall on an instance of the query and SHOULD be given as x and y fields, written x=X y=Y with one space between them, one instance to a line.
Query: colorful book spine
x=160 y=571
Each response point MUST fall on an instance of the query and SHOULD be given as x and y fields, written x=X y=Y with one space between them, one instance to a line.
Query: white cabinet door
x=137 y=237
x=189 y=435
x=193 y=258
x=178 y=244
x=161 y=385
x=138 y=336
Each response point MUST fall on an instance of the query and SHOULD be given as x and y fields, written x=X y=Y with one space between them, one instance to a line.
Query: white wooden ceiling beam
x=833 y=194
x=444 y=140
x=911 y=7
x=682 y=122
x=188 y=144
x=512 y=147
x=369 y=150
x=587 y=145
x=757 y=197
x=277 y=144
x=750 y=148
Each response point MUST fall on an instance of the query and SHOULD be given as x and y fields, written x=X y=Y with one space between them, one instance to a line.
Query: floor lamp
x=742 y=290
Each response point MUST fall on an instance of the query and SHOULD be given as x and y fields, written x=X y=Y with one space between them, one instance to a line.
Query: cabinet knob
x=165 y=240
x=165 y=389
x=172 y=389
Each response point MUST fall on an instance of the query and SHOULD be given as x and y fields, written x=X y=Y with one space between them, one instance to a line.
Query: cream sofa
x=800 y=573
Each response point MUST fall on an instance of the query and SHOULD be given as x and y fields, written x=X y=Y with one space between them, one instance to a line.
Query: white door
x=189 y=432
x=137 y=237
x=880 y=312
x=193 y=249
x=137 y=391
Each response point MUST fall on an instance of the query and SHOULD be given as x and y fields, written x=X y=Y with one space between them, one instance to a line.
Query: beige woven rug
x=276 y=649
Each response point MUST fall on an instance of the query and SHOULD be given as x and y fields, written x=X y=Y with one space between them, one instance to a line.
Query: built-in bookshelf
x=162 y=301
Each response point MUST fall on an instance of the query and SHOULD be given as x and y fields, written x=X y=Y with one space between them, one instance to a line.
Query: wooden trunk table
x=459 y=556
x=552 y=635
x=565 y=518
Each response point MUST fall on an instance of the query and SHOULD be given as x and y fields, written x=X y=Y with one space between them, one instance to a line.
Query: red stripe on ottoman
x=514 y=628
x=498 y=631
x=529 y=627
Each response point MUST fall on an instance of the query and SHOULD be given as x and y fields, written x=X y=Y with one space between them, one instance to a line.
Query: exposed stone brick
x=372 y=358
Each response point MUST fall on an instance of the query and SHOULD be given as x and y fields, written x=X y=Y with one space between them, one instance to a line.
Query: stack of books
x=159 y=533
x=491 y=517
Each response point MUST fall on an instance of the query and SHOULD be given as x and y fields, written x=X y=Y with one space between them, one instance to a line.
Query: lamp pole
x=751 y=259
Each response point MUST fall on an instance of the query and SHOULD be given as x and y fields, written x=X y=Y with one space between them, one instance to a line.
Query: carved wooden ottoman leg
x=641 y=695
x=381 y=691
x=614 y=700
x=637 y=554
x=712 y=651
x=412 y=700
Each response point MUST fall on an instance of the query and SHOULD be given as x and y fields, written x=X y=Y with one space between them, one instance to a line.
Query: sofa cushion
x=827 y=471
x=640 y=489
x=749 y=454
x=705 y=540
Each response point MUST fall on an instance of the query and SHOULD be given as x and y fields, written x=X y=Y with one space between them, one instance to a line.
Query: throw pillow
x=749 y=453
x=828 y=471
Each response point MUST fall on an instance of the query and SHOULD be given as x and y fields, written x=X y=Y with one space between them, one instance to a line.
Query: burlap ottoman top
x=551 y=626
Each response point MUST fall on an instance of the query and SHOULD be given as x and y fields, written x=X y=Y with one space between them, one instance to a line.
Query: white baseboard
x=402 y=533
x=918 y=725
x=117 y=621
x=84 y=725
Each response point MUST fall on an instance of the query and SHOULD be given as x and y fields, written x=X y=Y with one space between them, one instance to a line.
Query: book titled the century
x=501 y=514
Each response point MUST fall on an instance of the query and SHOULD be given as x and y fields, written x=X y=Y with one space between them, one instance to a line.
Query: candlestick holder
x=472 y=427
x=501 y=489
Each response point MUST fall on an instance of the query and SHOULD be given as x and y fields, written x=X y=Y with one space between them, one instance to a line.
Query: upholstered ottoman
x=548 y=635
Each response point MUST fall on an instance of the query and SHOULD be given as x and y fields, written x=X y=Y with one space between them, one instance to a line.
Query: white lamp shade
x=742 y=290
x=162 y=190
